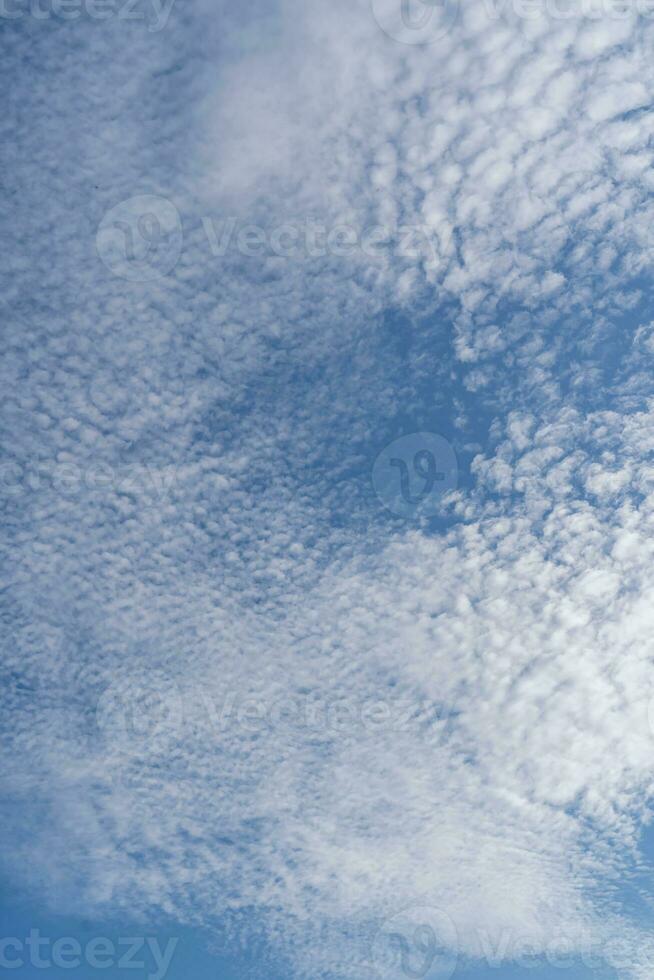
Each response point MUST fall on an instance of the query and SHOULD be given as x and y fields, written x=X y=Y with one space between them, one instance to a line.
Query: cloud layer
x=239 y=691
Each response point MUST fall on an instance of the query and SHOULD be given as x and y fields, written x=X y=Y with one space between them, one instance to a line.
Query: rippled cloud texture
x=242 y=689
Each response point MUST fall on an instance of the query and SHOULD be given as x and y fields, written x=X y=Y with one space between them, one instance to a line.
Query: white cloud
x=257 y=394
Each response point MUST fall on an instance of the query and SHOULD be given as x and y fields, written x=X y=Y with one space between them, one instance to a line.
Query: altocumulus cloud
x=516 y=620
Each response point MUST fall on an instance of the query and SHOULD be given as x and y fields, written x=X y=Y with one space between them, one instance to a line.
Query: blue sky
x=327 y=488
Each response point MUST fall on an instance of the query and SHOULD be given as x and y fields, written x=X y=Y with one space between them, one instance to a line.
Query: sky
x=327 y=489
